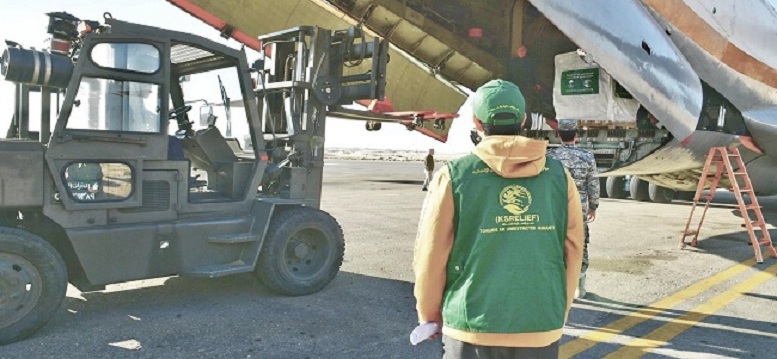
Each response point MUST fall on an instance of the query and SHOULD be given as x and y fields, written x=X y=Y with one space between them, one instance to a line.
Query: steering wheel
x=175 y=113
x=184 y=125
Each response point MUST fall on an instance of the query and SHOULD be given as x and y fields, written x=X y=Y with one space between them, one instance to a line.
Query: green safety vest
x=506 y=271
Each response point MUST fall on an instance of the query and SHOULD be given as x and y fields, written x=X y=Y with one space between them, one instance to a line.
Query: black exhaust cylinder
x=36 y=68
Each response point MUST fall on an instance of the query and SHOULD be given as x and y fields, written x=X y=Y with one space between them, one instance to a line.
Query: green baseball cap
x=498 y=96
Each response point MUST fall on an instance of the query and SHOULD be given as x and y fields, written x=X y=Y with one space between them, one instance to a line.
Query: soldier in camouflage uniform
x=582 y=167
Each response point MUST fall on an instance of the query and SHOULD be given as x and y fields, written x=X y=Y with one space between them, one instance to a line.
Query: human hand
x=591 y=216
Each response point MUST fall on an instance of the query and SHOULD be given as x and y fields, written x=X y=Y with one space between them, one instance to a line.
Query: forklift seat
x=208 y=150
x=228 y=175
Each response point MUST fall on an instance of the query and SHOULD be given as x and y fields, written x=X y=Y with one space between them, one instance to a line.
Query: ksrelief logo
x=515 y=199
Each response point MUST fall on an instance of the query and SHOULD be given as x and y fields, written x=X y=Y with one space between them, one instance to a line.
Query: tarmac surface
x=647 y=298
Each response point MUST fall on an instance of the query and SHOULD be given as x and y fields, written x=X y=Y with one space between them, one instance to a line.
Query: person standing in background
x=582 y=165
x=428 y=168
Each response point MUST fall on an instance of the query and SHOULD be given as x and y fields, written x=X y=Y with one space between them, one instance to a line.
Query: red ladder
x=720 y=158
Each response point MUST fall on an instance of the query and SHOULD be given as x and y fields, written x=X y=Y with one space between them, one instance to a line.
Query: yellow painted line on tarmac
x=617 y=327
x=662 y=335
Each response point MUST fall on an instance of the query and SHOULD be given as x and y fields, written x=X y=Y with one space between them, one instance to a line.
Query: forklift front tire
x=302 y=253
x=33 y=281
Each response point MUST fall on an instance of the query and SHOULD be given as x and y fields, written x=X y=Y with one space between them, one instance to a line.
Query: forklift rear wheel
x=33 y=280
x=302 y=253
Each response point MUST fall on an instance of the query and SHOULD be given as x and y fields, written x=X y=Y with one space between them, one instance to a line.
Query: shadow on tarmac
x=721 y=244
x=762 y=296
x=725 y=199
x=356 y=316
x=715 y=334
x=397 y=181
x=770 y=216
x=733 y=246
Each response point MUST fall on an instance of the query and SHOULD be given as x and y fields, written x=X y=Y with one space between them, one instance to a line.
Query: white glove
x=424 y=332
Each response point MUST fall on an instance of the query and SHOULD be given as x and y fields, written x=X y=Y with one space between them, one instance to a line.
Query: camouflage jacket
x=582 y=167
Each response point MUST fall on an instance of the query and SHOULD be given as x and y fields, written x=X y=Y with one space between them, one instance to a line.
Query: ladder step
x=752 y=207
x=217 y=270
x=233 y=238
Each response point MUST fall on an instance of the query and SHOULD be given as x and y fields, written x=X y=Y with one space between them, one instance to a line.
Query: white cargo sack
x=584 y=91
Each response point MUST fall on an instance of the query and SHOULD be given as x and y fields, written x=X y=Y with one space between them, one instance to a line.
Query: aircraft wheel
x=638 y=189
x=602 y=187
x=302 y=252
x=616 y=187
x=376 y=126
x=368 y=126
x=660 y=194
x=33 y=280
x=686 y=195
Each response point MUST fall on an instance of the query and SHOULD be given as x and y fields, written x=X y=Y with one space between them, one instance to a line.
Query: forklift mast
x=308 y=70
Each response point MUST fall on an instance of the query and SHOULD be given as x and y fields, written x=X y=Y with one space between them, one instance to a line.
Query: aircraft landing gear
x=616 y=187
x=660 y=194
x=638 y=189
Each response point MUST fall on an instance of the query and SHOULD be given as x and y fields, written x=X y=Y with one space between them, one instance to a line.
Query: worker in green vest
x=500 y=241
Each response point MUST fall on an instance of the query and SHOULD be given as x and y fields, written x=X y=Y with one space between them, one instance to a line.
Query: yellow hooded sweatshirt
x=509 y=157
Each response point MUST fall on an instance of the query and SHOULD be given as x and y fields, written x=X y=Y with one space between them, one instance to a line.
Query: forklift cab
x=127 y=116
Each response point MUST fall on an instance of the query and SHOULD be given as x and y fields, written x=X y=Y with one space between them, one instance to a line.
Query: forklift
x=128 y=183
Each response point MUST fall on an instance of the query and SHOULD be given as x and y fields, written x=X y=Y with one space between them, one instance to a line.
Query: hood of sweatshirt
x=512 y=156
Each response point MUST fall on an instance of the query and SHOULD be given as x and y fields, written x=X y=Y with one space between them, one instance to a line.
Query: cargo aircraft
x=654 y=83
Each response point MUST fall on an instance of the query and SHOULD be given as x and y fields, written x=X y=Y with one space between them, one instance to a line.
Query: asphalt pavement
x=647 y=297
